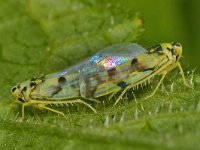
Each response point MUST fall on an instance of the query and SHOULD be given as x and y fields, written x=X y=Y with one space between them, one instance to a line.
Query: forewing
x=101 y=71
x=109 y=68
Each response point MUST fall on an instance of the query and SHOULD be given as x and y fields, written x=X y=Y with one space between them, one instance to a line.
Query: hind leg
x=158 y=85
x=42 y=105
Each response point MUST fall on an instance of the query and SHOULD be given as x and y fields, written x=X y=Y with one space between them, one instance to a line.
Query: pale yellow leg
x=53 y=110
x=121 y=95
x=41 y=105
x=183 y=76
x=80 y=101
x=162 y=78
x=23 y=105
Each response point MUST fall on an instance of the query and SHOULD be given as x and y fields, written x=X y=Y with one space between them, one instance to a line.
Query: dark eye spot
x=13 y=89
x=61 y=80
x=134 y=61
x=24 y=89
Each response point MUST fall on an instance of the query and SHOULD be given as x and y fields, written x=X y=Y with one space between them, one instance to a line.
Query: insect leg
x=63 y=102
x=40 y=106
x=121 y=95
x=53 y=110
x=183 y=76
x=69 y=102
x=75 y=101
x=162 y=78
x=23 y=105
x=88 y=105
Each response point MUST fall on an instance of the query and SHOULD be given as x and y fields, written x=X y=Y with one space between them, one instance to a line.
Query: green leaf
x=45 y=36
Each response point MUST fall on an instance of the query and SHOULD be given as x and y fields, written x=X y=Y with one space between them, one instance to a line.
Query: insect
x=116 y=68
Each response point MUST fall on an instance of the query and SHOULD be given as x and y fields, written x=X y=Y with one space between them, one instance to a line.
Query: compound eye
x=14 y=89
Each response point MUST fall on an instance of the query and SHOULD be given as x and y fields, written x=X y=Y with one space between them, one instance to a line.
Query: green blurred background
x=170 y=20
